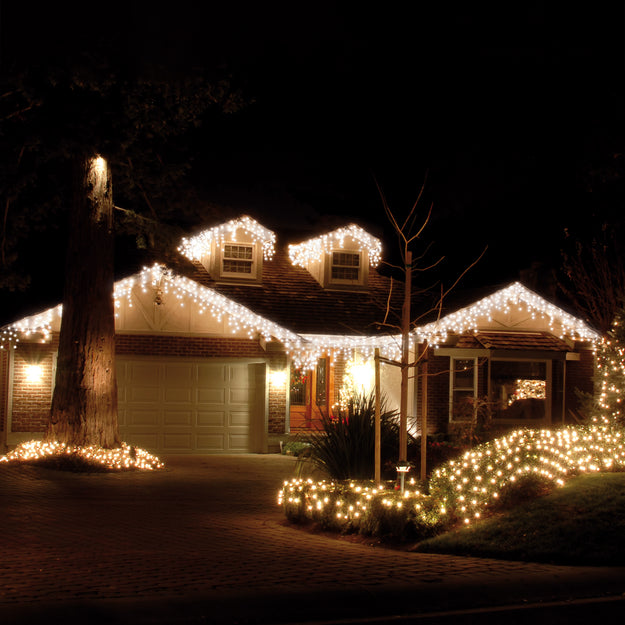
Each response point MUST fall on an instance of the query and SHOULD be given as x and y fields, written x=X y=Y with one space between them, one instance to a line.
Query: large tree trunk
x=84 y=404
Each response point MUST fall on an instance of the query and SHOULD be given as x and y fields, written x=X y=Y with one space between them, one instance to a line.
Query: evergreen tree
x=610 y=380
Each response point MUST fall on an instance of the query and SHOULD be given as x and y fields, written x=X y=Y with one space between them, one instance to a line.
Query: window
x=299 y=379
x=238 y=260
x=463 y=388
x=345 y=267
x=519 y=389
x=321 y=382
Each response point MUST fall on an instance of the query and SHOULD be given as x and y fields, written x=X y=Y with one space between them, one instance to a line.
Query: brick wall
x=31 y=397
x=579 y=375
x=278 y=389
x=31 y=402
x=200 y=347
x=4 y=387
x=438 y=394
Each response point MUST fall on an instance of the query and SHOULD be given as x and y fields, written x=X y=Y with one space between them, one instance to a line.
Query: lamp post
x=402 y=468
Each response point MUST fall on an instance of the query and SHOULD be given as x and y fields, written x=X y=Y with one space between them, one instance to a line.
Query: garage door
x=188 y=406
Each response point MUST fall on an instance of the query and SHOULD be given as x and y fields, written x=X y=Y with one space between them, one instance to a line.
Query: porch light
x=277 y=378
x=34 y=373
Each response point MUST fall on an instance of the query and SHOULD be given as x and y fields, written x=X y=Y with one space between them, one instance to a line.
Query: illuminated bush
x=461 y=490
x=93 y=458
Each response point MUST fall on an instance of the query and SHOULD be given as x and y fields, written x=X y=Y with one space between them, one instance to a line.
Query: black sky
x=505 y=105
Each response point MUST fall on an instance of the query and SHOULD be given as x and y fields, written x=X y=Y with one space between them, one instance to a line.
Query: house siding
x=579 y=376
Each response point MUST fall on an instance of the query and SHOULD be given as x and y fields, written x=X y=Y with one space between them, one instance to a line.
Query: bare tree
x=594 y=275
x=408 y=233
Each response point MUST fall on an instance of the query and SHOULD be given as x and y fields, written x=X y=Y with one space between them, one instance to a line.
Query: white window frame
x=238 y=274
x=359 y=267
x=452 y=383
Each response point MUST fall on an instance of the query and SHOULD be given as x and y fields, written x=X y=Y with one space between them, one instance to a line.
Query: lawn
x=581 y=523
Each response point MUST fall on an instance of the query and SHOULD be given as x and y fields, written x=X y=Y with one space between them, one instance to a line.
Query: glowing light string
x=314 y=249
x=515 y=296
x=198 y=246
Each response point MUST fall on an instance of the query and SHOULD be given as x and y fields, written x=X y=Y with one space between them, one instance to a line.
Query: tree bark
x=84 y=403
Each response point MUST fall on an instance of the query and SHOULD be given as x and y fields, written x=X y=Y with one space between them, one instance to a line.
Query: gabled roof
x=513 y=297
x=290 y=296
x=535 y=341
x=313 y=249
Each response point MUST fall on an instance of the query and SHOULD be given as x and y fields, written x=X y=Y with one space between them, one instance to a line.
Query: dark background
x=511 y=109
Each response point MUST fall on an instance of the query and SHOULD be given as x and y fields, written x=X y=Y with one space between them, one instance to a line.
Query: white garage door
x=175 y=405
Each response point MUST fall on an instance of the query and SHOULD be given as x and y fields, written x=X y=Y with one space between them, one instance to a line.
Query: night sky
x=505 y=106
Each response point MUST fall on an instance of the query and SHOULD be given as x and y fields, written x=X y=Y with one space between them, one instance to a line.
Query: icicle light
x=513 y=297
x=198 y=246
x=314 y=249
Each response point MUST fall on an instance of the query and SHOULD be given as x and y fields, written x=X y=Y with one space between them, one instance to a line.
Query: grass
x=581 y=523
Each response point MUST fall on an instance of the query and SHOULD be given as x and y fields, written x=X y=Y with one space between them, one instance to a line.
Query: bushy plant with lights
x=344 y=446
x=461 y=490
x=84 y=459
x=610 y=376
x=350 y=507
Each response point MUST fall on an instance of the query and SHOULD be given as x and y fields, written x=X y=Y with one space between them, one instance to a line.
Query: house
x=246 y=341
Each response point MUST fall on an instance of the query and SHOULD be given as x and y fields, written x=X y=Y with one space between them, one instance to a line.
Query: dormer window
x=345 y=268
x=339 y=260
x=238 y=260
x=232 y=252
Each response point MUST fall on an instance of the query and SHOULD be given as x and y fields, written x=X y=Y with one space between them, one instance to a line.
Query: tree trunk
x=84 y=404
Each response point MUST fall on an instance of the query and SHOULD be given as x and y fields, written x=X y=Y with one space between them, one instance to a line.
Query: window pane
x=320 y=391
x=237 y=266
x=238 y=251
x=344 y=273
x=346 y=259
x=298 y=387
x=463 y=373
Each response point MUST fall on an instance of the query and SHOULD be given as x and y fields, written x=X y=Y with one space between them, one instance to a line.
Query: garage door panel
x=211 y=418
x=142 y=393
x=143 y=417
x=188 y=406
x=211 y=395
x=142 y=374
x=239 y=418
x=174 y=394
x=238 y=442
x=178 y=417
x=239 y=396
x=211 y=375
x=211 y=443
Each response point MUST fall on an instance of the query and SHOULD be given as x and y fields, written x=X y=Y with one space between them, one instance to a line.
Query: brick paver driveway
x=204 y=541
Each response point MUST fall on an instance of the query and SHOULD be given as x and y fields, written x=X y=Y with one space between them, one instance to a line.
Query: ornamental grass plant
x=344 y=447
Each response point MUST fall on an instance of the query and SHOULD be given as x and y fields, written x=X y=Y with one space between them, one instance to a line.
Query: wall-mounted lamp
x=34 y=373
x=277 y=378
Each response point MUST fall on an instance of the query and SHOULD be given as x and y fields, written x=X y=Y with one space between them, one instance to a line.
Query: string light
x=515 y=296
x=464 y=488
x=200 y=245
x=313 y=250
x=121 y=458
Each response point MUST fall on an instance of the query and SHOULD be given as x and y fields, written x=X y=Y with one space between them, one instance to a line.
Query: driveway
x=205 y=542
